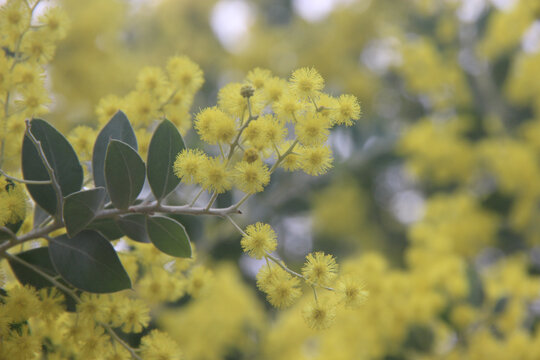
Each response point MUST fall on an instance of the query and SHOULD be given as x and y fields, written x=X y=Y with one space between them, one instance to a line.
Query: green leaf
x=169 y=236
x=166 y=143
x=134 y=226
x=61 y=157
x=89 y=262
x=124 y=174
x=40 y=259
x=107 y=227
x=117 y=128
x=80 y=209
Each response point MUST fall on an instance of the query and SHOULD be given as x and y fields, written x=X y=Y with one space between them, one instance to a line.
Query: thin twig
x=30 y=182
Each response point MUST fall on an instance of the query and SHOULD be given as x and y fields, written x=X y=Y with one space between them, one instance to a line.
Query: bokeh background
x=434 y=196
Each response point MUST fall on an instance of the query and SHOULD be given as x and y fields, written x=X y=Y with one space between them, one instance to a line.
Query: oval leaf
x=124 y=174
x=40 y=259
x=80 y=209
x=134 y=226
x=61 y=157
x=169 y=236
x=89 y=262
x=117 y=128
x=166 y=143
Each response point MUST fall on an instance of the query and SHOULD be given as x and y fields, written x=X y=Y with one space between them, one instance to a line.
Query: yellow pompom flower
x=254 y=133
x=215 y=176
x=33 y=101
x=287 y=107
x=151 y=79
x=51 y=304
x=258 y=77
x=347 y=110
x=14 y=18
x=320 y=269
x=107 y=107
x=188 y=164
x=199 y=280
x=282 y=289
x=315 y=160
x=259 y=239
x=352 y=291
x=38 y=46
x=251 y=177
x=56 y=22
x=306 y=83
x=230 y=99
x=320 y=314
x=213 y=126
x=21 y=303
x=91 y=307
x=274 y=89
x=135 y=315
x=141 y=108
x=273 y=130
x=12 y=203
x=184 y=72
x=312 y=129
x=158 y=346
x=27 y=74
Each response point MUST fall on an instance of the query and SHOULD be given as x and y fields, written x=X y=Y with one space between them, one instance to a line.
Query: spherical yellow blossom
x=82 y=138
x=320 y=314
x=274 y=88
x=158 y=346
x=56 y=22
x=312 y=129
x=151 y=79
x=188 y=165
x=259 y=77
x=186 y=73
x=51 y=304
x=346 y=111
x=315 y=160
x=12 y=203
x=290 y=162
x=287 y=107
x=320 y=269
x=21 y=303
x=352 y=291
x=14 y=17
x=259 y=239
x=28 y=74
x=233 y=103
x=215 y=176
x=107 y=107
x=282 y=289
x=213 y=126
x=199 y=280
x=135 y=315
x=251 y=177
x=306 y=83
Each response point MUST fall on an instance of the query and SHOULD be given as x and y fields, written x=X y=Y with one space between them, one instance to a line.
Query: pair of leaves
x=117 y=165
x=87 y=261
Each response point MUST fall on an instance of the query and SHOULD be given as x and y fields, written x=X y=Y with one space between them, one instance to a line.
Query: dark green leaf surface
x=40 y=259
x=117 y=128
x=124 y=174
x=134 y=226
x=80 y=209
x=89 y=262
x=107 y=227
x=61 y=157
x=169 y=236
x=166 y=143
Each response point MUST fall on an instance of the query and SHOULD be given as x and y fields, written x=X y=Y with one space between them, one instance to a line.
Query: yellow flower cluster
x=28 y=43
x=262 y=119
x=35 y=318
